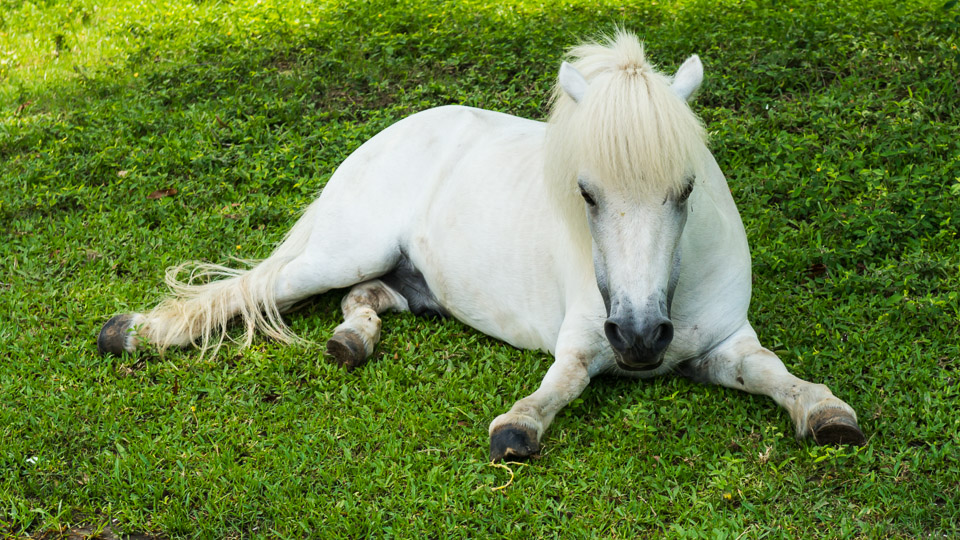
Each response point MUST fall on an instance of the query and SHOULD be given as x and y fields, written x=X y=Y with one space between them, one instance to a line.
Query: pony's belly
x=506 y=326
x=503 y=317
x=492 y=296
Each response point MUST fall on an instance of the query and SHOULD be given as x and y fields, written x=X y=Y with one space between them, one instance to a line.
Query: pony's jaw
x=643 y=367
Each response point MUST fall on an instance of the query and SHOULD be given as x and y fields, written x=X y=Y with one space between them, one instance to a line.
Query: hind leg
x=315 y=258
x=353 y=341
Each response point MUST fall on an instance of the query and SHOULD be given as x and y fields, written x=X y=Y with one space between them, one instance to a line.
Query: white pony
x=606 y=236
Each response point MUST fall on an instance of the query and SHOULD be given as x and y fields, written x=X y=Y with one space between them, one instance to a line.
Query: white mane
x=630 y=131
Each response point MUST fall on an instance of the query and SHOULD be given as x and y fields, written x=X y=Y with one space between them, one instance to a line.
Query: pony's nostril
x=663 y=335
x=615 y=336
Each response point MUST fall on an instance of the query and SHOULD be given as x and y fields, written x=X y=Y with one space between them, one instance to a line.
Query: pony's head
x=625 y=149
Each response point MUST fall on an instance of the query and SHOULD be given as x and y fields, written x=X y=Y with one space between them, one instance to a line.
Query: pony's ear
x=688 y=78
x=572 y=82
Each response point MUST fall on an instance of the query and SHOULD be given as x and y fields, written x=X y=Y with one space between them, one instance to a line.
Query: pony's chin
x=639 y=366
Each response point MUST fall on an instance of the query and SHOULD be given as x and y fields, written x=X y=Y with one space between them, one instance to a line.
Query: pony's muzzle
x=638 y=348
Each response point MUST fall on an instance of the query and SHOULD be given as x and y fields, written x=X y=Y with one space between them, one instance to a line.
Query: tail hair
x=211 y=297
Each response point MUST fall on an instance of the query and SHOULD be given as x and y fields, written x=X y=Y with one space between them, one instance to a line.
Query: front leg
x=516 y=434
x=582 y=353
x=742 y=363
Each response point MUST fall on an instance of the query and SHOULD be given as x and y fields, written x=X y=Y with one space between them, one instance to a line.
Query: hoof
x=834 y=428
x=511 y=442
x=347 y=349
x=113 y=335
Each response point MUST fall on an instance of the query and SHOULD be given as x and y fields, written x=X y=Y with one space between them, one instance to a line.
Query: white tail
x=200 y=309
x=212 y=296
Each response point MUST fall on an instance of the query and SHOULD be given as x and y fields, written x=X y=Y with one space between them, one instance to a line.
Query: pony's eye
x=587 y=198
x=685 y=194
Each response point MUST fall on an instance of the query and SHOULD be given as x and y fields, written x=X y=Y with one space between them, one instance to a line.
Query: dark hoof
x=113 y=335
x=512 y=442
x=835 y=428
x=347 y=349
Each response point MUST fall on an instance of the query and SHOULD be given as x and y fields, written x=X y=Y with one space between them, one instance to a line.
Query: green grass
x=835 y=122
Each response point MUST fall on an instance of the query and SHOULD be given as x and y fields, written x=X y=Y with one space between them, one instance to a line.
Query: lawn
x=137 y=135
